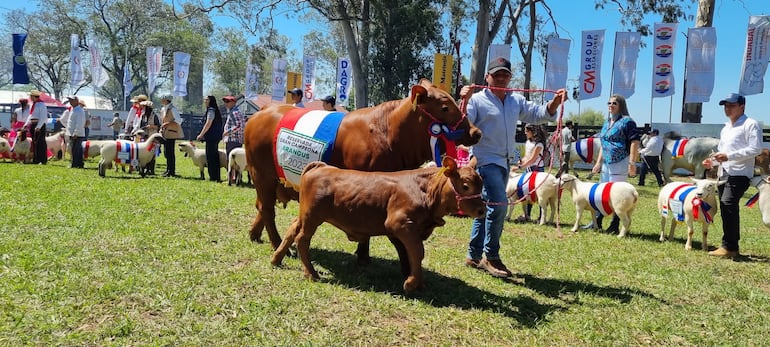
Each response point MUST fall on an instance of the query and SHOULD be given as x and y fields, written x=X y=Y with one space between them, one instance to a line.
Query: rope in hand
x=554 y=141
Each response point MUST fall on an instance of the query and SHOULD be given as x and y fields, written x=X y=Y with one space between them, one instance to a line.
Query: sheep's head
x=567 y=181
x=705 y=188
x=186 y=147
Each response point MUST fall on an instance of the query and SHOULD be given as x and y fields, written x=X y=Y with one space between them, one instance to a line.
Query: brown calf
x=762 y=162
x=405 y=206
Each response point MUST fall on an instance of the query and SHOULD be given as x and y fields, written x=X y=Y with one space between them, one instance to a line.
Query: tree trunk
x=693 y=112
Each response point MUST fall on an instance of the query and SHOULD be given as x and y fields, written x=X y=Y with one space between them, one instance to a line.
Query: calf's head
x=466 y=184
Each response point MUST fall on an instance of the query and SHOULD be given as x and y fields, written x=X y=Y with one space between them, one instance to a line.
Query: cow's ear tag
x=415 y=96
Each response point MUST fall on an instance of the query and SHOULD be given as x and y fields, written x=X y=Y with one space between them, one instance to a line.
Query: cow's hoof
x=410 y=285
x=312 y=276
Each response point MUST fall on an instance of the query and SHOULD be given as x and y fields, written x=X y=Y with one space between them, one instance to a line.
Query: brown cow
x=388 y=137
x=405 y=206
x=762 y=162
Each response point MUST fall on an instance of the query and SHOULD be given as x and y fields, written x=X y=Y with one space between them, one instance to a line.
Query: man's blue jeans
x=485 y=232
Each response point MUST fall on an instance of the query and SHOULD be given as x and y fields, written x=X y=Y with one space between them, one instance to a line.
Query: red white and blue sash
x=585 y=149
x=526 y=186
x=127 y=152
x=753 y=200
x=599 y=198
x=678 y=150
x=303 y=136
x=86 y=146
x=680 y=193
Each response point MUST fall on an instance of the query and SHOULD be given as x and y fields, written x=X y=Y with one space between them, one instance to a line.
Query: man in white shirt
x=739 y=142
x=76 y=124
x=38 y=115
x=651 y=157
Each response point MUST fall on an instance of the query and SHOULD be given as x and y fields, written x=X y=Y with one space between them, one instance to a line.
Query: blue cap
x=733 y=98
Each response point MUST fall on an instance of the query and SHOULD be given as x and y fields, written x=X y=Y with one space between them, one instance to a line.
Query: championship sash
x=127 y=153
x=585 y=149
x=753 y=200
x=86 y=146
x=303 y=136
x=676 y=200
x=526 y=186
x=599 y=198
x=678 y=150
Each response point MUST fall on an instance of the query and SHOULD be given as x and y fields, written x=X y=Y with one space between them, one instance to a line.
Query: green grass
x=122 y=261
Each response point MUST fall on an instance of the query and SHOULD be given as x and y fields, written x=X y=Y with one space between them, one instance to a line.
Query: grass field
x=123 y=261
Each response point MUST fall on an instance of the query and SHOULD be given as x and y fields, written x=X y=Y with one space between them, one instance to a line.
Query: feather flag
x=128 y=86
x=664 y=45
x=76 y=69
x=252 y=81
x=308 y=78
x=700 y=64
x=756 y=56
x=627 y=46
x=154 y=57
x=181 y=71
x=344 y=74
x=556 y=64
x=279 y=79
x=20 y=73
x=591 y=69
x=99 y=76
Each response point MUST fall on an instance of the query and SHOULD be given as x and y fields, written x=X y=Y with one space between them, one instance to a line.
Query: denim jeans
x=485 y=232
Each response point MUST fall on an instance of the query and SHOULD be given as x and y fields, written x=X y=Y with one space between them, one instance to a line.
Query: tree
x=228 y=61
x=588 y=116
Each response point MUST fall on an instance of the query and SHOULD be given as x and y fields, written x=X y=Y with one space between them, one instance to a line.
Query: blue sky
x=730 y=20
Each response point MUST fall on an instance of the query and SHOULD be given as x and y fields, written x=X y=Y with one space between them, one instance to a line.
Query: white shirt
x=741 y=141
x=39 y=112
x=65 y=117
x=653 y=147
x=21 y=114
x=529 y=148
x=76 y=122
x=566 y=139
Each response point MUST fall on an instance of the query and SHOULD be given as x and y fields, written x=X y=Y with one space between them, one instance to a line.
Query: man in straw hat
x=38 y=115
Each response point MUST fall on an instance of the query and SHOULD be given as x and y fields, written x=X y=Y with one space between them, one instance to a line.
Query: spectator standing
x=38 y=116
x=212 y=134
x=116 y=124
x=234 y=124
x=739 y=142
x=651 y=157
x=533 y=160
x=496 y=111
x=329 y=102
x=87 y=126
x=134 y=113
x=296 y=97
x=19 y=115
x=617 y=154
x=566 y=144
x=76 y=124
x=149 y=124
x=171 y=129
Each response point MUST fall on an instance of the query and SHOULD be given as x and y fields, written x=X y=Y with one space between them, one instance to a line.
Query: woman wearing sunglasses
x=619 y=150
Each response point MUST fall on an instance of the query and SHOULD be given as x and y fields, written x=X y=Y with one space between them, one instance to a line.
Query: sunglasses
x=615 y=103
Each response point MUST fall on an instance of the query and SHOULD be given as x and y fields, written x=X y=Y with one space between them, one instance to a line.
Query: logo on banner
x=19 y=59
x=664 y=33
x=663 y=51
x=663 y=69
x=662 y=87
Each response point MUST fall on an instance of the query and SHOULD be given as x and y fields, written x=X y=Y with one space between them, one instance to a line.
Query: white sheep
x=608 y=198
x=198 y=156
x=538 y=187
x=21 y=150
x=5 y=149
x=763 y=186
x=688 y=203
x=236 y=165
x=56 y=143
x=129 y=153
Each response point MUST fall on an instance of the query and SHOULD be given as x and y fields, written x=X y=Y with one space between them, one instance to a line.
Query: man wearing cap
x=739 y=142
x=234 y=124
x=38 y=115
x=296 y=97
x=328 y=103
x=171 y=129
x=651 y=157
x=76 y=123
x=495 y=110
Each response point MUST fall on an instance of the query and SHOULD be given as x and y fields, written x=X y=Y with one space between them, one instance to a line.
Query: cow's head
x=442 y=108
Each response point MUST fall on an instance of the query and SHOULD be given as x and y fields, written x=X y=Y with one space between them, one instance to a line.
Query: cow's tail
x=313 y=165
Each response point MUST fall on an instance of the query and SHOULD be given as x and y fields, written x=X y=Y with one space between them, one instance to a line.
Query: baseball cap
x=733 y=98
x=498 y=64
x=330 y=99
x=654 y=132
x=228 y=98
x=296 y=91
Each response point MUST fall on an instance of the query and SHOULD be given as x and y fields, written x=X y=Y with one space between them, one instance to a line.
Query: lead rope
x=554 y=139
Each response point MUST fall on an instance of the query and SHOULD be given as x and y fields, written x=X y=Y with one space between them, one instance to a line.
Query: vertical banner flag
x=99 y=76
x=181 y=70
x=20 y=73
x=308 y=78
x=627 y=46
x=442 y=71
x=499 y=50
x=664 y=44
x=127 y=84
x=344 y=79
x=154 y=57
x=279 y=80
x=756 y=56
x=591 y=64
x=76 y=70
x=556 y=64
x=293 y=80
x=252 y=80
x=700 y=64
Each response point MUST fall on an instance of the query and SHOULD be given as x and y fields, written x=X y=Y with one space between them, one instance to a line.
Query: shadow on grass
x=384 y=275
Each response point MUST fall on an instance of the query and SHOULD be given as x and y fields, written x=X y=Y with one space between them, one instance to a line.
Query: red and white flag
x=154 y=57
x=99 y=76
x=591 y=49
x=308 y=78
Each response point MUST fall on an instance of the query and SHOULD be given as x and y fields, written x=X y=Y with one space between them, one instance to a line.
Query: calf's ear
x=449 y=164
x=418 y=95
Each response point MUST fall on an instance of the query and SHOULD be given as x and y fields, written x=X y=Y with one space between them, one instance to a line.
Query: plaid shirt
x=234 y=125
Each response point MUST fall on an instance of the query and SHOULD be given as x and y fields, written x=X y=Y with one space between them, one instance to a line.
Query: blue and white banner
x=308 y=78
x=279 y=79
x=99 y=75
x=624 y=64
x=663 y=45
x=252 y=81
x=76 y=69
x=756 y=56
x=556 y=65
x=591 y=49
x=181 y=72
x=344 y=80
x=700 y=64
x=20 y=73
x=154 y=58
x=499 y=50
x=128 y=86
